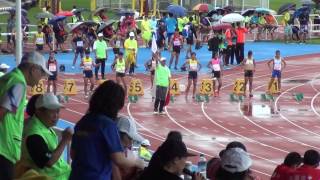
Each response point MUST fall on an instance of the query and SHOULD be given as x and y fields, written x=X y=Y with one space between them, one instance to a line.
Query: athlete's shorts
x=39 y=47
x=87 y=74
x=276 y=73
x=80 y=51
x=248 y=73
x=216 y=74
x=176 y=49
x=53 y=77
x=118 y=74
x=193 y=75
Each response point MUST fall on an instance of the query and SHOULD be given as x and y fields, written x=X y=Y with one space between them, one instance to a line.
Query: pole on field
x=215 y=4
x=18 y=32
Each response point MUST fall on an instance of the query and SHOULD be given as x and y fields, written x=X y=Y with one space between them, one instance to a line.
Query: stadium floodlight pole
x=215 y=4
x=18 y=32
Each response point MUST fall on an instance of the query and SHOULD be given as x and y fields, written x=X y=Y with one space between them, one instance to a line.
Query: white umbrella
x=231 y=18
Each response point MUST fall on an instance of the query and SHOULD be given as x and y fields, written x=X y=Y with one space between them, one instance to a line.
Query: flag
x=154 y=47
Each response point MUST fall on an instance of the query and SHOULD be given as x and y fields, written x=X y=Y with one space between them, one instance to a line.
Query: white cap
x=4 y=66
x=146 y=142
x=37 y=59
x=49 y=101
x=131 y=34
x=128 y=126
x=100 y=35
x=235 y=160
x=163 y=59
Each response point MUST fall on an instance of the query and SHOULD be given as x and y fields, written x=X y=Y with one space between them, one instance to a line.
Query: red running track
x=269 y=129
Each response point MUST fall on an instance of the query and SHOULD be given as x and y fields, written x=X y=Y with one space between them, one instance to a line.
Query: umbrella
x=286 y=7
x=13 y=10
x=89 y=23
x=202 y=7
x=124 y=12
x=177 y=10
x=222 y=26
x=44 y=15
x=106 y=24
x=56 y=19
x=265 y=11
x=215 y=11
x=232 y=17
x=248 y=12
x=76 y=26
x=64 y=13
x=79 y=10
x=99 y=9
x=229 y=8
x=301 y=10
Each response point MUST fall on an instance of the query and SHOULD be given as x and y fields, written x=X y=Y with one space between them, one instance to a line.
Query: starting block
x=267 y=97
x=202 y=98
x=63 y=98
x=133 y=98
x=236 y=98
x=298 y=96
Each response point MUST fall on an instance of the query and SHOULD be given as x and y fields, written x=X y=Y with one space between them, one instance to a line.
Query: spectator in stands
x=10 y=27
x=254 y=21
x=308 y=170
x=174 y=135
x=96 y=143
x=128 y=133
x=3 y=69
x=214 y=164
x=59 y=34
x=173 y=155
x=261 y=25
x=304 y=20
x=235 y=164
x=171 y=24
x=290 y=164
x=287 y=26
x=41 y=150
x=14 y=86
x=241 y=39
x=231 y=38
x=77 y=17
x=270 y=24
x=295 y=30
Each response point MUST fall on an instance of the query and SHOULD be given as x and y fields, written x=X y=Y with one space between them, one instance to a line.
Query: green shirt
x=162 y=75
x=11 y=125
x=121 y=66
x=60 y=170
x=101 y=49
x=180 y=24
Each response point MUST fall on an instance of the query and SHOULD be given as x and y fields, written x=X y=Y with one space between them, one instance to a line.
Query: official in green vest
x=163 y=76
x=12 y=103
x=41 y=150
x=77 y=17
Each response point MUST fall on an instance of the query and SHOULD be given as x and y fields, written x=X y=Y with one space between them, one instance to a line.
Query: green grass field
x=275 y=4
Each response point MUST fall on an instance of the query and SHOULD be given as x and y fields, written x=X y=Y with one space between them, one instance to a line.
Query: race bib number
x=207 y=87
x=52 y=67
x=121 y=70
x=277 y=67
x=216 y=67
x=79 y=43
x=176 y=43
x=194 y=66
x=118 y=43
x=39 y=41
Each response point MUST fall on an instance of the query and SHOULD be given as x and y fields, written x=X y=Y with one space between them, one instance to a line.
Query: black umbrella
x=104 y=25
x=99 y=9
x=248 y=12
x=286 y=7
x=79 y=10
x=215 y=11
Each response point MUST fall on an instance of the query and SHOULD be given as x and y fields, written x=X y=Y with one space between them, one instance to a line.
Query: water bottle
x=202 y=165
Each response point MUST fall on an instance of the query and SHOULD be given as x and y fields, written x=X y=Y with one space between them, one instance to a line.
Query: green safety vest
x=101 y=47
x=60 y=170
x=162 y=76
x=145 y=154
x=121 y=66
x=11 y=125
